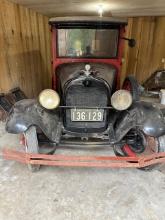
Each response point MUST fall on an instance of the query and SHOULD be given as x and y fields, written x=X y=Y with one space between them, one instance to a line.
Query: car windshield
x=94 y=43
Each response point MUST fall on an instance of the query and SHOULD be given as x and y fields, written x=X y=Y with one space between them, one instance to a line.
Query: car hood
x=70 y=71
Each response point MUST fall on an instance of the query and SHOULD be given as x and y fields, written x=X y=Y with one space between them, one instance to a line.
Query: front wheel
x=138 y=144
x=31 y=142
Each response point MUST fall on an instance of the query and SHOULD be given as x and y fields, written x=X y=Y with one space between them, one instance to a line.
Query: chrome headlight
x=121 y=100
x=49 y=99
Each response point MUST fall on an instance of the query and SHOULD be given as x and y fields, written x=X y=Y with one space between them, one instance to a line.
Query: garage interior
x=26 y=62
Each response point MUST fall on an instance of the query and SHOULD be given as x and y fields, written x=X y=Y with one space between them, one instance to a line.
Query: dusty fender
x=144 y=116
x=28 y=112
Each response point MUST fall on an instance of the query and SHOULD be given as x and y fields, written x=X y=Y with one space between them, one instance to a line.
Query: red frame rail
x=84 y=161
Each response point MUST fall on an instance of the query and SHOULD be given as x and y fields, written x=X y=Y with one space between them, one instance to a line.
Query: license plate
x=87 y=114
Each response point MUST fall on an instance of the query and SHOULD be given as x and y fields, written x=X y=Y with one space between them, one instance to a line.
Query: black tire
x=131 y=84
x=32 y=146
x=120 y=152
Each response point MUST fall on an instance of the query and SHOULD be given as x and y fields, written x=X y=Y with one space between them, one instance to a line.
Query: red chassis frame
x=86 y=161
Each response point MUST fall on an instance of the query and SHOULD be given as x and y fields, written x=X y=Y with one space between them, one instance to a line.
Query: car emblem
x=87 y=70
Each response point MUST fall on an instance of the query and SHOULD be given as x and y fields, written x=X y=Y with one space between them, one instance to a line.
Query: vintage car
x=85 y=105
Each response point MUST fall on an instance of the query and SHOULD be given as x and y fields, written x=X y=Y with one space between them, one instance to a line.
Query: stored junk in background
x=8 y=100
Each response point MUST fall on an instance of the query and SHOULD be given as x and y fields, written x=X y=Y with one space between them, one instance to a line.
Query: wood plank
x=23 y=55
x=146 y=57
x=120 y=8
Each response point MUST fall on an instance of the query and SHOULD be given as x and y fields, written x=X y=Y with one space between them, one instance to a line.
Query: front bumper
x=84 y=161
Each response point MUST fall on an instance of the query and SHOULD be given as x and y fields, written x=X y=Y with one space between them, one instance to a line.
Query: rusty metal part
x=18 y=94
x=5 y=107
x=8 y=100
x=84 y=161
x=3 y=114
x=5 y=104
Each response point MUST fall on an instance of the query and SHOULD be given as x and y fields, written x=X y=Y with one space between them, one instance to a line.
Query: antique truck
x=85 y=106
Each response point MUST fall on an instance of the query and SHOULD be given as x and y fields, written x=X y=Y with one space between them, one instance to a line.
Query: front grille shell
x=77 y=94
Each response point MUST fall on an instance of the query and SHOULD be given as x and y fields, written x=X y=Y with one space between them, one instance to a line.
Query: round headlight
x=49 y=99
x=121 y=100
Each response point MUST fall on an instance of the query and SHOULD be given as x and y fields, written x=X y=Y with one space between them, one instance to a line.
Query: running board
x=84 y=161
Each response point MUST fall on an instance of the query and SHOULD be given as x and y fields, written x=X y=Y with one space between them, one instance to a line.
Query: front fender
x=28 y=112
x=144 y=116
x=154 y=120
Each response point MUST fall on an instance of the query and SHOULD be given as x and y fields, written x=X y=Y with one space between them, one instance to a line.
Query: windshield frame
x=89 y=57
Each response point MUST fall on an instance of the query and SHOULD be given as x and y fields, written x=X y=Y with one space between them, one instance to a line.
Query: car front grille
x=95 y=95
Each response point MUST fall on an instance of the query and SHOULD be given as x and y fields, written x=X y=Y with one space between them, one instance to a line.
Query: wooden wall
x=147 y=55
x=25 y=58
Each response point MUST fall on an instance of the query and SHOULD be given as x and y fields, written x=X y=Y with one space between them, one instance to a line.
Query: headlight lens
x=49 y=99
x=121 y=100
